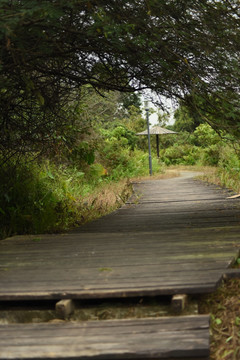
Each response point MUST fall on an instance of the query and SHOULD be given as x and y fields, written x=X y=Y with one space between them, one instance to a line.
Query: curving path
x=173 y=236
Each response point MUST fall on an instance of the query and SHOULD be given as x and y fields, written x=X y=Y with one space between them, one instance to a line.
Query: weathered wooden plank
x=39 y=293
x=92 y=237
x=157 y=338
x=105 y=264
x=128 y=250
x=134 y=260
x=145 y=227
x=190 y=322
x=154 y=269
x=107 y=282
x=110 y=276
x=149 y=243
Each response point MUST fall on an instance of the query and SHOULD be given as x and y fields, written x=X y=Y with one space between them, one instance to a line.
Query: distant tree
x=186 y=119
x=134 y=120
x=100 y=110
x=221 y=110
x=130 y=100
x=50 y=49
x=163 y=118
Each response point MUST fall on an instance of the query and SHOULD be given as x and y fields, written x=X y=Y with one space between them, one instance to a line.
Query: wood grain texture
x=173 y=236
x=160 y=338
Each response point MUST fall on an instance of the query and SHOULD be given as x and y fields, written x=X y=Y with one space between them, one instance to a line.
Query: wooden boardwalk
x=162 y=338
x=174 y=236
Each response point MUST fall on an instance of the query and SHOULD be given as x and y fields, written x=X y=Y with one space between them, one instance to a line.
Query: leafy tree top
x=50 y=49
x=169 y=46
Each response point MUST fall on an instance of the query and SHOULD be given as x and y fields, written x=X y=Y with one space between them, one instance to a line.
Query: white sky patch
x=153 y=116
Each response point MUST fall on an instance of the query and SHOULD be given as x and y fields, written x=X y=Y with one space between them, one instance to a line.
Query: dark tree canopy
x=50 y=49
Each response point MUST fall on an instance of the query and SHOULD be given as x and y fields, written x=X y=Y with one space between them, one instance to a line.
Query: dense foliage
x=50 y=49
x=71 y=185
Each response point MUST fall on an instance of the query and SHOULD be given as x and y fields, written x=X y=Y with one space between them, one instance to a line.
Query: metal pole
x=157 y=139
x=149 y=143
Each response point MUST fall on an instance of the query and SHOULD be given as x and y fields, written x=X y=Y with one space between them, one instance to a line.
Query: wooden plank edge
x=108 y=294
x=200 y=322
x=231 y=274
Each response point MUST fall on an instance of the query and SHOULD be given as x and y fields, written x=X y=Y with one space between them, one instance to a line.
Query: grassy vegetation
x=43 y=196
x=223 y=177
x=224 y=307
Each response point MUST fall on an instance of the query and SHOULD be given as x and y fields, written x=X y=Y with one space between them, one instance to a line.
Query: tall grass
x=40 y=196
x=229 y=168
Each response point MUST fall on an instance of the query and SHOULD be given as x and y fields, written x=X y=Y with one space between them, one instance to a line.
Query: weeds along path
x=175 y=235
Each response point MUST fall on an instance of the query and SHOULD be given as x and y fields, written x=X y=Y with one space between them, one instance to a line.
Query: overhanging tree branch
x=50 y=49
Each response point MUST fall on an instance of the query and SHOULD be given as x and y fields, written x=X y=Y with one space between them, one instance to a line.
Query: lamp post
x=149 y=143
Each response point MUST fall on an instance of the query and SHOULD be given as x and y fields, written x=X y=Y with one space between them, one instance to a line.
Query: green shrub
x=206 y=136
x=180 y=154
x=82 y=153
x=210 y=155
x=121 y=157
x=202 y=148
x=39 y=197
x=136 y=164
x=229 y=168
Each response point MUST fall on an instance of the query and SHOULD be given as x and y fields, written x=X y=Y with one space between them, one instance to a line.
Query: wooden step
x=231 y=273
x=185 y=337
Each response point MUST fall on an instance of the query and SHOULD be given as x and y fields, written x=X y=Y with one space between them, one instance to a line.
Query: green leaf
x=226 y=353
x=229 y=339
x=237 y=321
x=218 y=321
x=80 y=174
x=50 y=175
x=40 y=98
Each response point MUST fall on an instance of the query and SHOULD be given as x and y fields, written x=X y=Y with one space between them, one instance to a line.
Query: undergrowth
x=40 y=198
x=224 y=307
x=227 y=178
x=47 y=196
